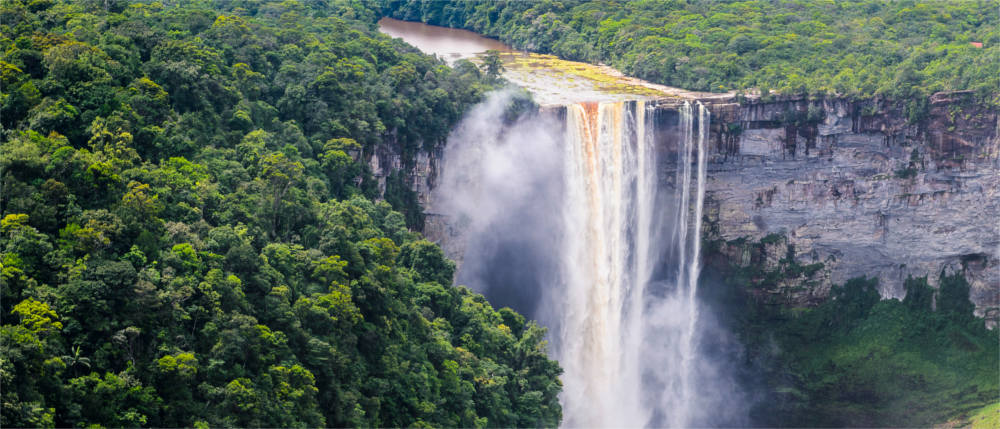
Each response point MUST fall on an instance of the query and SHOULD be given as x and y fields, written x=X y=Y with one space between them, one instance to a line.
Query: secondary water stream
x=569 y=212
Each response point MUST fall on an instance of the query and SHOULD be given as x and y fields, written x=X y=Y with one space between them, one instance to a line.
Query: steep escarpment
x=790 y=187
x=859 y=188
x=841 y=188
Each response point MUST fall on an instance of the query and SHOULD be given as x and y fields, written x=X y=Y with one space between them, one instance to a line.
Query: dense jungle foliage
x=856 y=360
x=190 y=235
x=859 y=361
x=904 y=50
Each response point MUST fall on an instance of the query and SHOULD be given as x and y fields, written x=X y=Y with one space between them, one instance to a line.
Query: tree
x=428 y=262
x=76 y=360
x=854 y=300
x=919 y=295
x=280 y=173
x=953 y=298
x=492 y=64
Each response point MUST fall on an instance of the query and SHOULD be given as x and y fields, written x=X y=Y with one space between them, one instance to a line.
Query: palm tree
x=74 y=360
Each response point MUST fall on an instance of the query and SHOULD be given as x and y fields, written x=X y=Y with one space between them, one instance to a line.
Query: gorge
x=566 y=206
x=801 y=163
x=588 y=215
x=272 y=214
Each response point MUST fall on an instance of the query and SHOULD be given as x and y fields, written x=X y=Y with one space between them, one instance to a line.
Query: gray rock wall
x=862 y=191
x=421 y=171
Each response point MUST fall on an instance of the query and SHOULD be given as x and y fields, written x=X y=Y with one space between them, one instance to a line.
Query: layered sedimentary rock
x=858 y=188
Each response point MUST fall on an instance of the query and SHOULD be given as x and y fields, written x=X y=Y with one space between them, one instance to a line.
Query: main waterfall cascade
x=620 y=275
x=614 y=239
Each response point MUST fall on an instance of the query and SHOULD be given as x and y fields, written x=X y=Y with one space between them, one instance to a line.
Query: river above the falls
x=449 y=44
x=571 y=219
x=550 y=80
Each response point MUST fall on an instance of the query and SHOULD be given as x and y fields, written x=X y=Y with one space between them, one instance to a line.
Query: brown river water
x=551 y=80
x=450 y=44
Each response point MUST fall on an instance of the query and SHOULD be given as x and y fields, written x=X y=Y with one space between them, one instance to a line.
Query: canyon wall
x=847 y=188
x=420 y=170
x=854 y=186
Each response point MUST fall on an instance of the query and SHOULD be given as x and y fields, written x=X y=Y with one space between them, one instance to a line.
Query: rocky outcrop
x=419 y=170
x=857 y=187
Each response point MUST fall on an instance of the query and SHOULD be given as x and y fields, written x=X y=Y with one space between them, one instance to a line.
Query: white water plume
x=684 y=399
x=585 y=226
x=603 y=262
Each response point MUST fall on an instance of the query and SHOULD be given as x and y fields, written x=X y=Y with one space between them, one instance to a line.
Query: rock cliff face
x=420 y=170
x=854 y=186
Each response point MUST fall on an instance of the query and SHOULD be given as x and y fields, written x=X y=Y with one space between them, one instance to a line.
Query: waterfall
x=606 y=263
x=587 y=222
x=689 y=267
x=610 y=249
